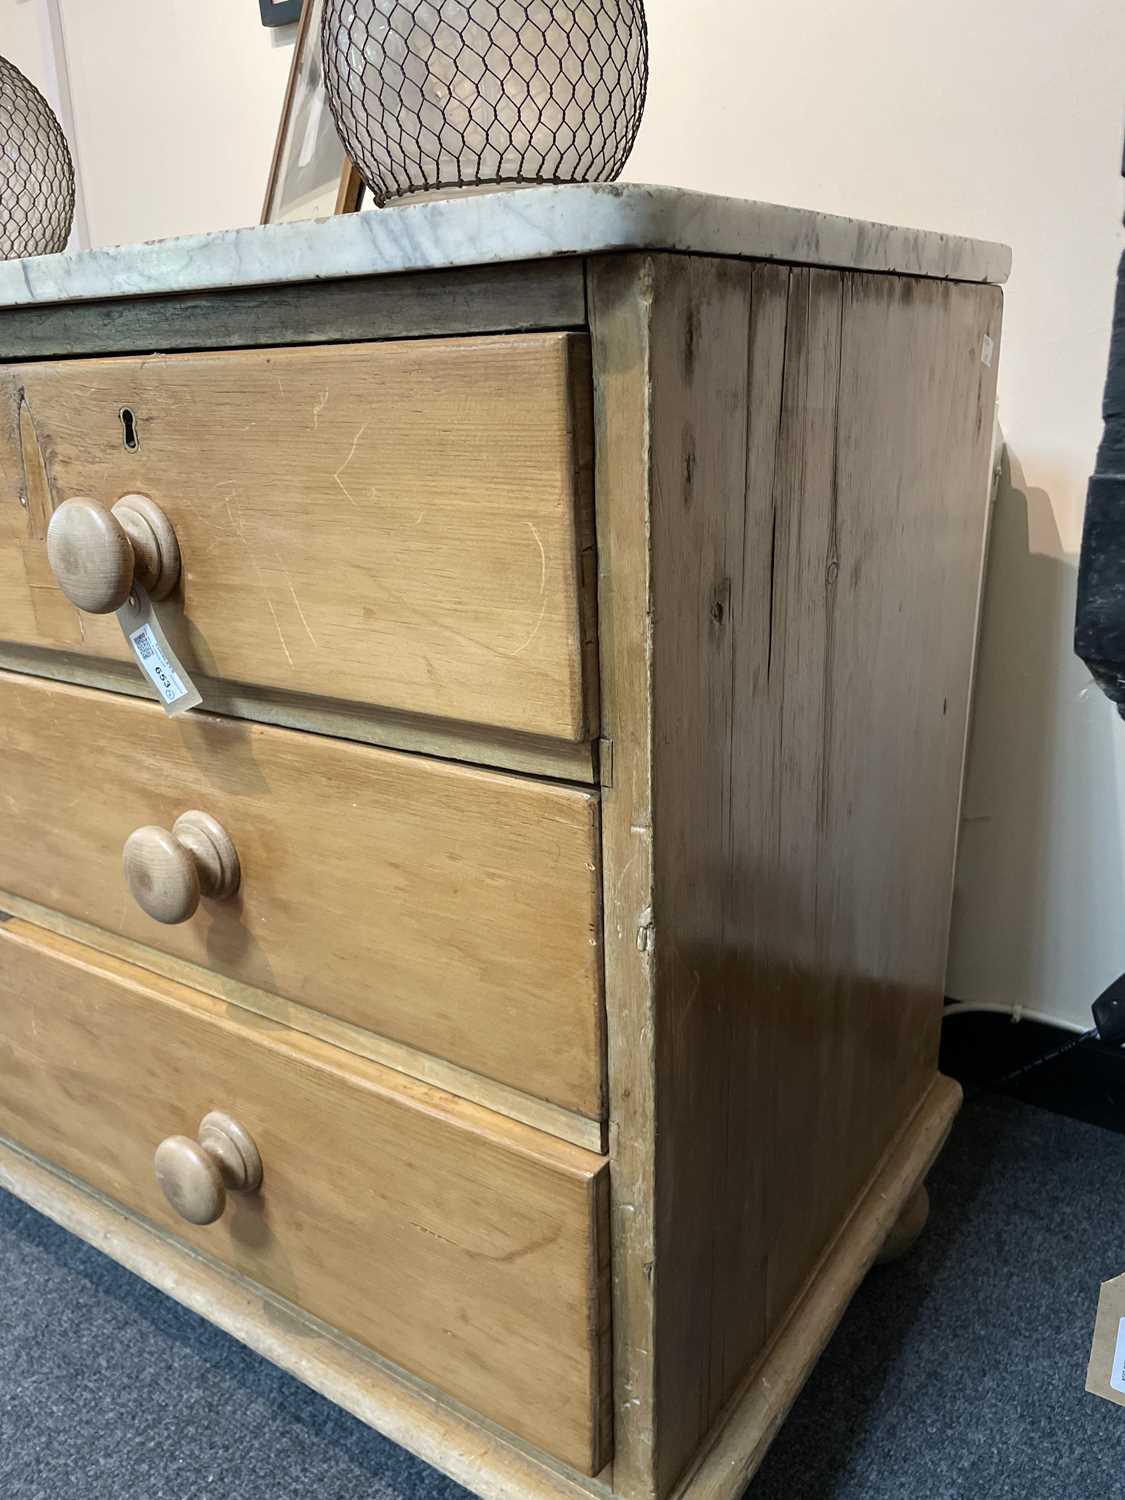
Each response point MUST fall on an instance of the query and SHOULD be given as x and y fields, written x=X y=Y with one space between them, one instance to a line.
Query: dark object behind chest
x=1099 y=637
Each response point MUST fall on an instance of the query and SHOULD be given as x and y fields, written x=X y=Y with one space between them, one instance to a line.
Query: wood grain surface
x=402 y=524
x=478 y=744
x=451 y=909
x=792 y=487
x=465 y=1248
x=621 y=290
x=792 y=474
x=725 y=1465
x=442 y=1433
x=552 y=1118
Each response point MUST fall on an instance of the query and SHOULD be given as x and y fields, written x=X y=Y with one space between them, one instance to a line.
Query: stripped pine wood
x=449 y=909
x=448 y=740
x=466 y=1248
x=786 y=693
x=568 y=1126
x=621 y=293
x=790 y=467
x=398 y=524
x=426 y=1421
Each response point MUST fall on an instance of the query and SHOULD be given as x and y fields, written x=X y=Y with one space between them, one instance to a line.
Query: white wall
x=177 y=103
x=176 y=106
x=25 y=40
x=997 y=118
x=1003 y=119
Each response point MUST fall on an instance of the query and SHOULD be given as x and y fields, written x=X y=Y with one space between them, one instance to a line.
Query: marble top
x=482 y=228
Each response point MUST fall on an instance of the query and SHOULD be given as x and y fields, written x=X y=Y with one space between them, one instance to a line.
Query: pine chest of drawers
x=510 y=1001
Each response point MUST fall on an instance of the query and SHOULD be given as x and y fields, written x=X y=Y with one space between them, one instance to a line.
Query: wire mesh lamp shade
x=452 y=93
x=36 y=172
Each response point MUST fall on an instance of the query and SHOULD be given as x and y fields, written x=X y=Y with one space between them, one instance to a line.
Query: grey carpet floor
x=957 y=1373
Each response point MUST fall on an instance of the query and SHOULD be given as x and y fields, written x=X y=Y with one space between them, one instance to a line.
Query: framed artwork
x=311 y=176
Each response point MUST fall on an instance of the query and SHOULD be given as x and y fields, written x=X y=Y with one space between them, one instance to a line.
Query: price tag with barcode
x=155 y=657
x=1106 y=1374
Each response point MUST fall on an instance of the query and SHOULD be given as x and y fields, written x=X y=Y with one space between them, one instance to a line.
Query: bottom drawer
x=467 y=1249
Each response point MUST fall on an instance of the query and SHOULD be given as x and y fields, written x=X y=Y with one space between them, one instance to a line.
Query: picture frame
x=311 y=175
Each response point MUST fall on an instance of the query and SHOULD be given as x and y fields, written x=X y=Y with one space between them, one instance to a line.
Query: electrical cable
x=1109 y=1027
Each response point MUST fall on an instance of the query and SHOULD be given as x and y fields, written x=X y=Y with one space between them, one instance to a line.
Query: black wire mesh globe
x=451 y=93
x=36 y=172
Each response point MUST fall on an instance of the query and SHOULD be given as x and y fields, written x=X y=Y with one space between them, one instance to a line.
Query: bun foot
x=907 y=1227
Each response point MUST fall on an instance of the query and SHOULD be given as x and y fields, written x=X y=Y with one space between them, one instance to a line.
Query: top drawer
x=402 y=525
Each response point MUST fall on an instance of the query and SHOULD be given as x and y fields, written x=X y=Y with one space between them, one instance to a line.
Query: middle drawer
x=451 y=909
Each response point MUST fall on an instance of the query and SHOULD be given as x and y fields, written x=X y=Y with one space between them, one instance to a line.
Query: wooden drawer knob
x=169 y=872
x=95 y=553
x=195 y=1176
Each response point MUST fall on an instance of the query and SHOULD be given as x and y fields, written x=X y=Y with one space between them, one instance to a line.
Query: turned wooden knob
x=169 y=872
x=95 y=554
x=196 y=1175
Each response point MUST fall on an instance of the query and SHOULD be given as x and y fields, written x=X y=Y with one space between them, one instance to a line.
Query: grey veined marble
x=476 y=229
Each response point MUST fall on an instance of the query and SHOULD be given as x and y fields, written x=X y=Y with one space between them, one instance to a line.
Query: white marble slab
x=476 y=229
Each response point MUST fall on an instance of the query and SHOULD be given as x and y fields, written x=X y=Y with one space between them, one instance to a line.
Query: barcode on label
x=157 y=668
x=155 y=655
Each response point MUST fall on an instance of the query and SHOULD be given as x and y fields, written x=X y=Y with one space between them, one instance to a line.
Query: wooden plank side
x=741 y=1439
x=853 y=647
x=873 y=623
x=777 y=910
x=754 y=905
x=452 y=910
x=473 y=299
x=461 y=1246
x=814 y=565
x=700 y=403
x=916 y=403
x=398 y=525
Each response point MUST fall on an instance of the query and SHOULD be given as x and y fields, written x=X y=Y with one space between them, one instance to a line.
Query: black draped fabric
x=1099 y=636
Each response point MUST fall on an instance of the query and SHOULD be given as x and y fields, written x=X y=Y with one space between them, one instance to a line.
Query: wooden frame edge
x=349 y=193
x=619 y=310
x=283 y=120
